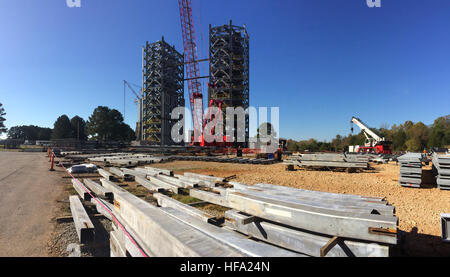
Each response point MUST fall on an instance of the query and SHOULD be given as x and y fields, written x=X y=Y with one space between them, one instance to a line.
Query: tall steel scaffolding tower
x=229 y=71
x=163 y=90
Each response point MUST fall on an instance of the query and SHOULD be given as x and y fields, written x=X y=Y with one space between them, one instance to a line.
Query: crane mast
x=192 y=66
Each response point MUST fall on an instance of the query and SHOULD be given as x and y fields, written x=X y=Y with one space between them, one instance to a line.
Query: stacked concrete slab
x=328 y=160
x=441 y=169
x=410 y=170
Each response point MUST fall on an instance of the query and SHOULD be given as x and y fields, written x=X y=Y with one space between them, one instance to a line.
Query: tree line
x=409 y=136
x=104 y=124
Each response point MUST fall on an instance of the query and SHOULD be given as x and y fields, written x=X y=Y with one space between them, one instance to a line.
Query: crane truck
x=373 y=142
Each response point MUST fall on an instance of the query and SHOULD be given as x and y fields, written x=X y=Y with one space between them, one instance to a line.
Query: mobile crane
x=373 y=143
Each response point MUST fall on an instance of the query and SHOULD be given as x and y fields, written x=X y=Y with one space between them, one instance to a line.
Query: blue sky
x=321 y=62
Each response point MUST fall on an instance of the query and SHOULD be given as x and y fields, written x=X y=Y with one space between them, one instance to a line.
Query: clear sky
x=321 y=62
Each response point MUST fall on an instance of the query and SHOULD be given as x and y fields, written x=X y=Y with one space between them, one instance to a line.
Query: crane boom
x=125 y=83
x=367 y=131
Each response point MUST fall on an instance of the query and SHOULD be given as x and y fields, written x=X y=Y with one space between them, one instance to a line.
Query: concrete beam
x=163 y=184
x=111 y=186
x=301 y=241
x=335 y=205
x=148 y=185
x=204 y=177
x=209 y=197
x=231 y=239
x=101 y=209
x=117 y=249
x=197 y=181
x=165 y=236
x=134 y=172
x=160 y=171
x=165 y=201
x=177 y=182
x=83 y=225
x=334 y=223
x=105 y=174
x=80 y=190
x=98 y=189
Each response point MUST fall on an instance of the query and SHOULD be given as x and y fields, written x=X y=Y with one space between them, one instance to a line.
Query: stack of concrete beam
x=309 y=222
x=176 y=230
x=124 y=160
x=222 y=159
x=328 y=160
x=441 y=168
x=410 y=170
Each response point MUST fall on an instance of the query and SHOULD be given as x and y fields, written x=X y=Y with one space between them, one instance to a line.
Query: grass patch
x=186 y=199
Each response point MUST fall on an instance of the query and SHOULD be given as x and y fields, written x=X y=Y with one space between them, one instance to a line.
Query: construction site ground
x=32 y=199
x=28 y=203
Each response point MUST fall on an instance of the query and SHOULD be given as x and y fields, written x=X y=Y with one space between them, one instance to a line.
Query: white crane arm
x=366 y=129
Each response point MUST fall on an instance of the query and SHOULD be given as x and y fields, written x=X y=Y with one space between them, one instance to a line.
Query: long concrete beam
x=302 y=241
x=148 y=185
x=111 y=186
x=83 y=224
x=105 y=210
x=80 y=190
x=167 y=202
x=197 y=181
x=209 y=197
x=166 y=236
x=105 y=174
x=232 y=239
x=163 y=184
x=302 y=192
x=321 y=203
x=99 y=190
x=176 y=181
x=334 y=223
x=205 y=177
x=160 y=171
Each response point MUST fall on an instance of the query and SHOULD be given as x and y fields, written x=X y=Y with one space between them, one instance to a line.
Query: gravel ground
x=64 y=233
x=418 y=209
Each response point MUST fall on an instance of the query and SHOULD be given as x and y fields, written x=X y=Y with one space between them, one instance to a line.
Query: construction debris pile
x=441 y=169
x=411 y=170
x=260 y=221
x=328 y=160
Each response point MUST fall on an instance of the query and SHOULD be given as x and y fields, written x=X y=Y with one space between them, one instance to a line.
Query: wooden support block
x=327 y=247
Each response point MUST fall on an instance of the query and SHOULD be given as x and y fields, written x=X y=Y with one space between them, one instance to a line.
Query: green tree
x=78 y=128
x=2 y=120
x=30 y=132
x=62 y=129
x=107 y=124
x=266 y=129
x=440 y=132
x=413 y=145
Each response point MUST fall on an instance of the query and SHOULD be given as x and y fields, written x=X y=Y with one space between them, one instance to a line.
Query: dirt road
x=28 y=194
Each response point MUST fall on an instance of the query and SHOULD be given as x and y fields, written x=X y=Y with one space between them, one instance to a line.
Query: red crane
x=192 y=67
x=194 y=85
